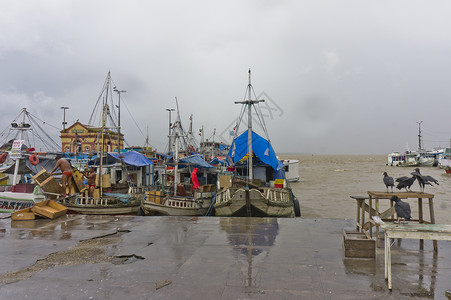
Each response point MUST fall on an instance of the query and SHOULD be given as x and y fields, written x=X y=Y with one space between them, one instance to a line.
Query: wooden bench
x=411 y=231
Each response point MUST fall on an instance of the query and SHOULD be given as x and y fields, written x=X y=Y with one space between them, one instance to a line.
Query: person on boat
x=91 y=181
x=66 y=169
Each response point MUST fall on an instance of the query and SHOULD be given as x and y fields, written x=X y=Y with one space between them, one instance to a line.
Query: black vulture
x=423 y=179
x=405 y=183
x=402 y=209
x=388 y=181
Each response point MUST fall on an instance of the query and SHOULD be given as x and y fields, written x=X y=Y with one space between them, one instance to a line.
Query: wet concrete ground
x=111 y=257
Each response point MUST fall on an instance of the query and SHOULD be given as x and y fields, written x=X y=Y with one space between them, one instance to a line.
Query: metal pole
x=169 y=110
x=419 y=134
x=64 y=116
x=21 y=128
x=249 y=129
x=119 y=120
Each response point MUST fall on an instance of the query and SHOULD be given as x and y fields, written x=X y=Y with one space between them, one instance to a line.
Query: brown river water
x=328 y=181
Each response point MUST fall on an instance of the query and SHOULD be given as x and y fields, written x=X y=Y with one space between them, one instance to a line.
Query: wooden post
x=432 y=216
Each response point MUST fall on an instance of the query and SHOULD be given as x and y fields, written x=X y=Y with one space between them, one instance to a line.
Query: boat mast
x=176 y=166
x=119 y=92
x=249 y=104
x=419 y=135
x=169 y=110
x=21 y=128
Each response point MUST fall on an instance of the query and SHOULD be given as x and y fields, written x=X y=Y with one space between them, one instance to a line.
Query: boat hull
x=99 y=206
x=250 y=202
x=178 y=206
x=12 y=201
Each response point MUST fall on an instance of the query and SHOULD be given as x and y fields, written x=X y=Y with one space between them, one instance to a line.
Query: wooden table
x=411 y=231
x=370 y=204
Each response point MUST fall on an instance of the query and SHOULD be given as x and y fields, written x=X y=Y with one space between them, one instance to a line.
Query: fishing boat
x=406 y=159
x=18 y=161
x=187 y=183
x=419 y=158
x=122 y=177
x=125 y=179
x=257 y=187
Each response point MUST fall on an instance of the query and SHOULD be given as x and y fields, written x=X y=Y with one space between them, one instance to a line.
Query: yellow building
x=87 y=139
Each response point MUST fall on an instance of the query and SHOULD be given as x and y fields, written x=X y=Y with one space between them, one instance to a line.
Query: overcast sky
x=338 y=77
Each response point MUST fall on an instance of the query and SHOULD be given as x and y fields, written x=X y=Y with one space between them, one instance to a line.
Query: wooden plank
x=23 y=214
x=77 y=179
x=388 y=213
x=402 y=195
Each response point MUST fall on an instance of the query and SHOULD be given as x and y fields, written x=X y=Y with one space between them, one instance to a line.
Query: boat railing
x=277 y=195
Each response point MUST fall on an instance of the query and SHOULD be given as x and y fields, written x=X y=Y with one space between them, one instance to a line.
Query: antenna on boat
x=249 y=104
x=419 y=135
x=169 y=110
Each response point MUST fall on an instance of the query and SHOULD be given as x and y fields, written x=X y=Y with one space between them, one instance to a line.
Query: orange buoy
x=3 y=157
x=34 y=159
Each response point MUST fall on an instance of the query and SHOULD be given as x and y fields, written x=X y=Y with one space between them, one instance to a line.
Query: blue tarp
x=133 y=158
x=196 y=161
x=216 y=161
x=260 y=147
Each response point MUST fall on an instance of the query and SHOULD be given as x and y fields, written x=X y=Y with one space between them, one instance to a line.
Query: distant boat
x=291 y=167
x=257 y=187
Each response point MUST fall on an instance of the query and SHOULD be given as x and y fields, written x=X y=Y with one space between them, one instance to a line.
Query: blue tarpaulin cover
x=196 y=161
x=216 y=161
x=133 y=158
x=260 y=146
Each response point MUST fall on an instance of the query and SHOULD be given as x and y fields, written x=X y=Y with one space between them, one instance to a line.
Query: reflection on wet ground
x=108 y=257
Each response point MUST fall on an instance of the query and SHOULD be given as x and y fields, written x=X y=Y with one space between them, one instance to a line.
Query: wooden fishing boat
x=106 y=205
x=122 y=177
x=257 y=187
x=18 y=162
x=180 y=193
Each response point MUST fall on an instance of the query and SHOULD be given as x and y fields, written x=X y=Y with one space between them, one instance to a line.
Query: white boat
x=419 y=158
x=20 y=161
x=258 y=187
x=291 y=167
x=445 y=160
x=406 y=159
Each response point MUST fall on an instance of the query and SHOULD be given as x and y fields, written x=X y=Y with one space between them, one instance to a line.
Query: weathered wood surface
x=401 y=195
x=411 y=231
x=358 y=244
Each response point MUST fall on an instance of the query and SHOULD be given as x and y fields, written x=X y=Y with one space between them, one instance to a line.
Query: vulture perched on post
x=388 y=181
x=405 y=183
x=423 y=179
x=402 y=209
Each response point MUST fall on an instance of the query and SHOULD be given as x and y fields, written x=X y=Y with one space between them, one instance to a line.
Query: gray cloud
x=350 y=78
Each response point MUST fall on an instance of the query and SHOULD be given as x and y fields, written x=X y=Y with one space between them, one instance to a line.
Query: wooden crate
x=49 y=209
x=23 y=214
x=106 y=181
x=77 y=180
x=225 y=181
x=358 y=244
x=48 y=183
x=154 y=196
